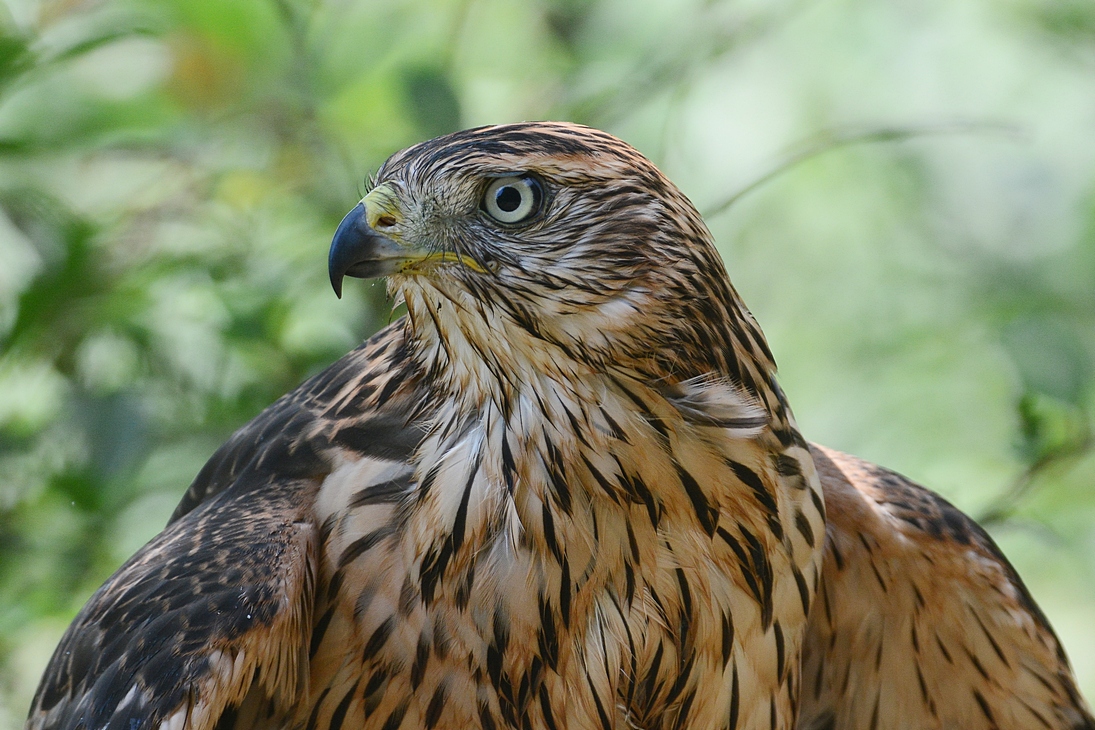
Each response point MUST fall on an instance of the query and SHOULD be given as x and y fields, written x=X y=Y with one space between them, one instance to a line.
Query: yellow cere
x=381 y=201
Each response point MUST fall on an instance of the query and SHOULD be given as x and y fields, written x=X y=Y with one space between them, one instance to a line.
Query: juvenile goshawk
x=564 y=492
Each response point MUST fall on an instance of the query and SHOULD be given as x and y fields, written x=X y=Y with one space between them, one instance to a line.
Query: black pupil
x=508 y=198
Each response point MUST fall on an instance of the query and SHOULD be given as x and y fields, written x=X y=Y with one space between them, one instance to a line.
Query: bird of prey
x=564 y=492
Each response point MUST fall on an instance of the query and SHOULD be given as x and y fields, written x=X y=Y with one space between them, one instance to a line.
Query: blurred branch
x=836 y=139
x=1004 y=506
x=24 y=59
x=1041 y=531
x=97 y=40
x=327 y=190
x=297 y=19
x=678 y=71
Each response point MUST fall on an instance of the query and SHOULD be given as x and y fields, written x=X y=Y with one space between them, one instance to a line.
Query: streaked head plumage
x=557 y=230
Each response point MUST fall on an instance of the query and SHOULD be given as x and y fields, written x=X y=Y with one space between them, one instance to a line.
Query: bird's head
x=550 y=237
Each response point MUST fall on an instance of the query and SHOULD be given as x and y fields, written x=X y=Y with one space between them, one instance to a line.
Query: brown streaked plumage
x=565 y=491
x=920 y=620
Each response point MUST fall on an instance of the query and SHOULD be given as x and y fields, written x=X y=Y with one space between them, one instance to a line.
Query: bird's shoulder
x=370 y=402
x=921 y=620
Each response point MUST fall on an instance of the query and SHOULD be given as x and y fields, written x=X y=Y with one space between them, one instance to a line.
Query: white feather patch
x=709 y=400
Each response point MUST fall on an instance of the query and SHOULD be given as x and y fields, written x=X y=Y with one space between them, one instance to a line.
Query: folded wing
x=920 y=621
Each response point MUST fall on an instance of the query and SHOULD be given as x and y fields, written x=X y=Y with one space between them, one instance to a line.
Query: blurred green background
x=903 y=191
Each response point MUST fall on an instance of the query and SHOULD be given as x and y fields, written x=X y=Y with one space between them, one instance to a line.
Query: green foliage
x=171 y=172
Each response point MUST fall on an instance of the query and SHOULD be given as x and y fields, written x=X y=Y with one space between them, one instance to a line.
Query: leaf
x=1072 y=20
x=69 y=270
x=1049 y=357
x=15 y=57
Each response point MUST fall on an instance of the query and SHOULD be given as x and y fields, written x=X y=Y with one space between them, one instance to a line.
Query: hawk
x=564 y=492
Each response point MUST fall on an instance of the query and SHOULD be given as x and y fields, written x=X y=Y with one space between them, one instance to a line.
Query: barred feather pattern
x=565 y=491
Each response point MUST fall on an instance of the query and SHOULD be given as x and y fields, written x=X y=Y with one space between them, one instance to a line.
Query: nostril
x=385 y=221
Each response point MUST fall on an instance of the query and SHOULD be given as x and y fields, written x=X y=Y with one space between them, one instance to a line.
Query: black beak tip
x=345 y=245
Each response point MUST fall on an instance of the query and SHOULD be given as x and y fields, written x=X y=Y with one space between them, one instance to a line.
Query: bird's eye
x=513 y=199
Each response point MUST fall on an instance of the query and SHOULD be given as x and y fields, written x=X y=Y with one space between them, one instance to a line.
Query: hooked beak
x=359 y=251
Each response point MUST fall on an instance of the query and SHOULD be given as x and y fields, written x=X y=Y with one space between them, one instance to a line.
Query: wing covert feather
x=182 y=630
x=920 y=621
